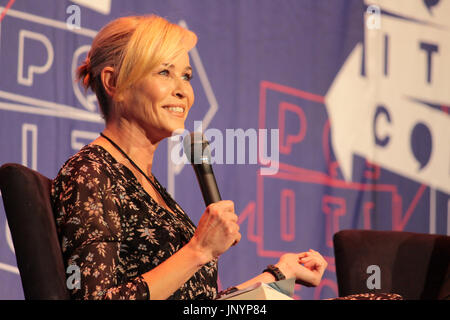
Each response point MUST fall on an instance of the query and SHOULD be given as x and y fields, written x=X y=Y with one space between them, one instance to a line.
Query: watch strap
x=275 y=271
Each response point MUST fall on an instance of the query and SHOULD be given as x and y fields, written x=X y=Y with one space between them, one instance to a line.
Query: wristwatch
x=275 y=272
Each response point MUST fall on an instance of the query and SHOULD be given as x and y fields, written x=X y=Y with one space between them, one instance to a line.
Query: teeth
x=175 y=109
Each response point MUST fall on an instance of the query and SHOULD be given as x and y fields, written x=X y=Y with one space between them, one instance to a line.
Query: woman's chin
x=174 y=130
x=167 y=130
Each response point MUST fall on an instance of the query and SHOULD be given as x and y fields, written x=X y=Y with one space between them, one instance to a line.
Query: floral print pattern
x=114 y=231
x=371 y=296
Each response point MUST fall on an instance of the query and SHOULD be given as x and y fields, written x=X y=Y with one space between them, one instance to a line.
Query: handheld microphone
x=196 y=148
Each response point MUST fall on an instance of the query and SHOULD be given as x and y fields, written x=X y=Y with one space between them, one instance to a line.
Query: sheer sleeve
x=87 y=208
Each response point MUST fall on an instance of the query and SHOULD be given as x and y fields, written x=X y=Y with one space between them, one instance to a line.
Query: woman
x=127 y=235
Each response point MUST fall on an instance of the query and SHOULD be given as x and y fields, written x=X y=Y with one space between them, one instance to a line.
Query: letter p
x=27 y=78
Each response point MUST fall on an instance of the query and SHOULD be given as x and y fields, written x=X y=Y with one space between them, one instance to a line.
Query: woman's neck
x=133 y=141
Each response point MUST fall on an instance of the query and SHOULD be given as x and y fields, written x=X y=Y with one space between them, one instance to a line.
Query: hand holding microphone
x=217 y=230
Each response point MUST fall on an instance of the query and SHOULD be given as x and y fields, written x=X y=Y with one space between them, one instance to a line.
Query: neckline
x=140 y=187
x=156 y=186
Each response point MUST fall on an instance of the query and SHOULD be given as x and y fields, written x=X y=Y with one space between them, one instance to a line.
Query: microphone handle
x=207 y=182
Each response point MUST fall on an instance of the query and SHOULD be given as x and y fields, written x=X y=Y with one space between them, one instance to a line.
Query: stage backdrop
x=343 y=106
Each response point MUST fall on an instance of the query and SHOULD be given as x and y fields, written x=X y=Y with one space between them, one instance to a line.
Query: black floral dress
x=114 y=231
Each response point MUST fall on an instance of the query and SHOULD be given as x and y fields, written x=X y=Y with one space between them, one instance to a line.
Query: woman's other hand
x=306 y=267
x=217 y=230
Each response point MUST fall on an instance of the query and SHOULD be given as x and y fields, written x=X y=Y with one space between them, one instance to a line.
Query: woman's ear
x=108 y=78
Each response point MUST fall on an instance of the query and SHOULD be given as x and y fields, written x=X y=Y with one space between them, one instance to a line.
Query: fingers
x=312 y=265
x=310 y=262
x=302 y=255
x=223 y=211
x=313 y=260
x=219 y=228
x=305 y=259
x=222 y=205
x=233 y=232
x=310 y=253
x=238 y=238
x=307 y=267
x=223 y=214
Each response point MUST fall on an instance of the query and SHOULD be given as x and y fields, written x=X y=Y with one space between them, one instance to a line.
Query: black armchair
x=414 y=265
x=26 y=197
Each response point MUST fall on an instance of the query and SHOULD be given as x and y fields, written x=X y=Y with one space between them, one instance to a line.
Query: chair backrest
x=26 y=198
x=415 y=265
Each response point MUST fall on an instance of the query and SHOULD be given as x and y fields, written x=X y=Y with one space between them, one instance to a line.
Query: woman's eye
x=164 y=72
x=187 y=77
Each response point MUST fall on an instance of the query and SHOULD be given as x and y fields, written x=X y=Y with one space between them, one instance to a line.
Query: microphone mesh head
x=196 y=148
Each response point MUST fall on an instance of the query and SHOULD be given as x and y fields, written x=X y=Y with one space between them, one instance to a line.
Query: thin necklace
x=134 y=165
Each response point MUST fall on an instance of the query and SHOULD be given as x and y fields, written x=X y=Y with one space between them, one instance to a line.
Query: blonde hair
x=133 y=46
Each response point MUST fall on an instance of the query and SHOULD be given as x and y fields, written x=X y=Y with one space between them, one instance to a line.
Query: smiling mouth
x=176 y=110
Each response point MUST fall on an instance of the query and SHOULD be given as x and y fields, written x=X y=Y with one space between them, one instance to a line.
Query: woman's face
x=160 y=102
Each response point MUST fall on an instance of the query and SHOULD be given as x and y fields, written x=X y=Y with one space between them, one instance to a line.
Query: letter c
x=381 y=140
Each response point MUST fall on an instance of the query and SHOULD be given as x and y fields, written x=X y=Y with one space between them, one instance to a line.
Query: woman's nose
x=180 y=90
x=179 y=94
